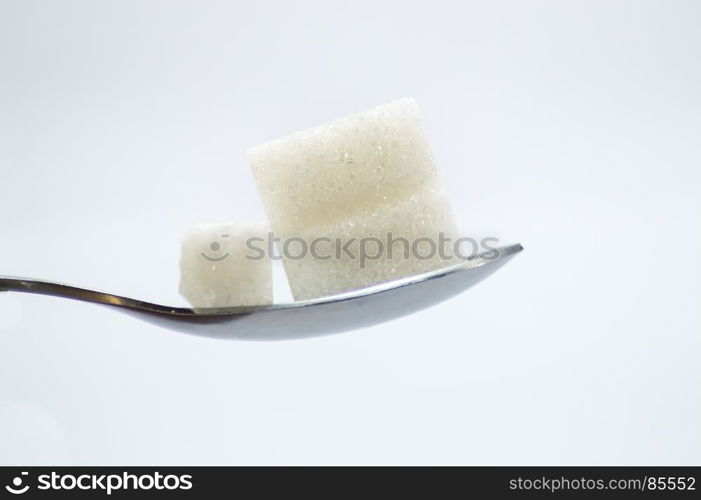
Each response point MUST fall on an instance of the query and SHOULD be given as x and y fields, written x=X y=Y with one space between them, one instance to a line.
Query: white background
x=572 y=127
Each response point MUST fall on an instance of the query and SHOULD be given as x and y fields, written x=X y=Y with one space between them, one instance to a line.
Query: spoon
x=294 y=320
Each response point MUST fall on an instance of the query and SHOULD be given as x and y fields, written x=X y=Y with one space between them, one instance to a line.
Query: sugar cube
x=218 y=269
x=367 y=175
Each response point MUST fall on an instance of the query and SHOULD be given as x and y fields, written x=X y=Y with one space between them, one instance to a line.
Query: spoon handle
x=27 y=285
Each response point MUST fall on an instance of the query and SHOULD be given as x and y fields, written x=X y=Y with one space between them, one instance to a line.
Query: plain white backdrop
x=572 y=127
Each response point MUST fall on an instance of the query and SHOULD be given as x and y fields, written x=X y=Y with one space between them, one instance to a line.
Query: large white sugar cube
x=218 y=269
x=370 y=174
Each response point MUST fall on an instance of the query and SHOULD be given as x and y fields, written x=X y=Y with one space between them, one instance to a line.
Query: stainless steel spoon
x=312 y=318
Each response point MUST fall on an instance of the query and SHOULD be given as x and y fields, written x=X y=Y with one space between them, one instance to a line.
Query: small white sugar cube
x=370 y=174
x=218 y=269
